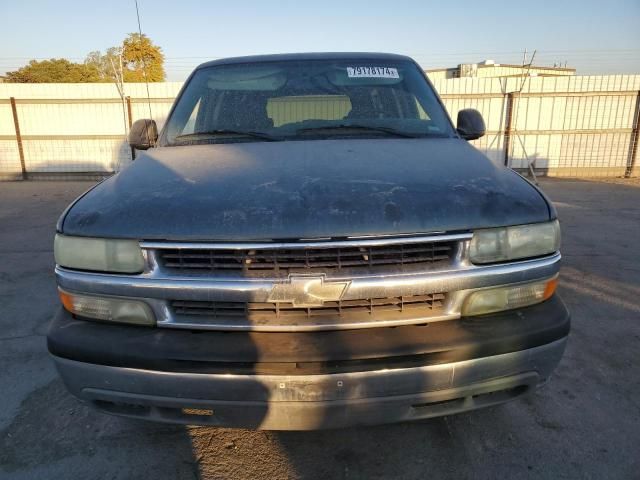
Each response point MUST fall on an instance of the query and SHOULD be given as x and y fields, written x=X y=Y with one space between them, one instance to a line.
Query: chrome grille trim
x=156 y=288
x=285 y=261
x=351 y=242
x=334 y=258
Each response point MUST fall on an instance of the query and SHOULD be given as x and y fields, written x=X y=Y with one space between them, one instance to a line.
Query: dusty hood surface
x=305 y=189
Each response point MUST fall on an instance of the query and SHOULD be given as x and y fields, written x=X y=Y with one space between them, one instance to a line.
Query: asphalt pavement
x=584 y=424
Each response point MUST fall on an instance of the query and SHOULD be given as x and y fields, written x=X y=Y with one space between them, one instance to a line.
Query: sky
x=593 y=36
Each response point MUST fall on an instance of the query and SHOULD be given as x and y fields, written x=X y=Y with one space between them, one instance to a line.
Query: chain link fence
x=577 y=126
x=562 y=126
x=67 y=131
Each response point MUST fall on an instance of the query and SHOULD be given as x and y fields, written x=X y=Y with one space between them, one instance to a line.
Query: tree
x=136 y=60
x=54 y=71
x=139 y=57
x=105 y=64
x=143 y=60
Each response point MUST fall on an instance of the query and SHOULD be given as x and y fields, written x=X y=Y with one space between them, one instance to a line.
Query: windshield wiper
x=375 y=128
x=227 y=131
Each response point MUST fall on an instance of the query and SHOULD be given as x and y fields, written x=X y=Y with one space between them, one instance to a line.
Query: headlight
x=511 y=243
x=108 y=309
x=508 y=297
x=98 y=254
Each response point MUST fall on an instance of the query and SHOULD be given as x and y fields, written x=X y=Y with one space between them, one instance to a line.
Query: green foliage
x=136 y=58
x=142 y=57
x=54 y=71
x=104 y=64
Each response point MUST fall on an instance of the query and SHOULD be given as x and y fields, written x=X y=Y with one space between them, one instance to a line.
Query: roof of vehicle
x=306 y=56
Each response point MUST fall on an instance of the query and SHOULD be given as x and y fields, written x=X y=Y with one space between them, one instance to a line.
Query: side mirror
x=470 y=124
x=143 y=134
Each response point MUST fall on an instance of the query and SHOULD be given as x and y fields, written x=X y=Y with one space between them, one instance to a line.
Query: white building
x=490 y=68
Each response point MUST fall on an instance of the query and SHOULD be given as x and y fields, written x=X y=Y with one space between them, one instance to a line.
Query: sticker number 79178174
x=372 y=72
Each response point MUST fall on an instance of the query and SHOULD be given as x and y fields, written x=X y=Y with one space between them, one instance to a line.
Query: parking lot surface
x=584 y=424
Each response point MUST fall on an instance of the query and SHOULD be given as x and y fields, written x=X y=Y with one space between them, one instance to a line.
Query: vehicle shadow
x=438 y=447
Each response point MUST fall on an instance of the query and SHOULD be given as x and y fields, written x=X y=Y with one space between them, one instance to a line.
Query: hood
x=306 y=189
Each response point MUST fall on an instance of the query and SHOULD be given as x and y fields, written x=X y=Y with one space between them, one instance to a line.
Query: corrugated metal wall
x=74 y=127
x=571 y=126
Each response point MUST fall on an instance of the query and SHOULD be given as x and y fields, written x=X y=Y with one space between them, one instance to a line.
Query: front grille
x=281 y=262
x=414 y=305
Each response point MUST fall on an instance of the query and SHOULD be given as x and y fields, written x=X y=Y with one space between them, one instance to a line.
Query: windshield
x=295 y=100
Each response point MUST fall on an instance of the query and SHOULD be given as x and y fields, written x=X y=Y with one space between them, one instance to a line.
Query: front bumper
x=310 y=380
x=309 y=402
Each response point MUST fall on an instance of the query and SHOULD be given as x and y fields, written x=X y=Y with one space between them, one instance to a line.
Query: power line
x=583 y=52
x=144 y=65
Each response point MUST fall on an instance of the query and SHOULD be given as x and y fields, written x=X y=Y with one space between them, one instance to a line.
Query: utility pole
x=118 y=75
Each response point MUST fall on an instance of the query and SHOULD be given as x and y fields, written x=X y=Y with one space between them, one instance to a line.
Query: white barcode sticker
x=372 y=72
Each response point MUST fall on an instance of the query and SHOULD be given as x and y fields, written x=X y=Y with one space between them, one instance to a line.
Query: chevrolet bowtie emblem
x=307 y=291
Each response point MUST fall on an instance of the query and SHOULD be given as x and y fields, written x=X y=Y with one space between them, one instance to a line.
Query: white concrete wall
x=577 y=125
